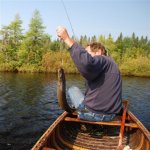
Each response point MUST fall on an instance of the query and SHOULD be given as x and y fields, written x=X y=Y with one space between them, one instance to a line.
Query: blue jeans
x=77 y=97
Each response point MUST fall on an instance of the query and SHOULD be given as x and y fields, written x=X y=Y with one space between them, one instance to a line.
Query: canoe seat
x=121 y=123
x=47 y=148
x=110 y=123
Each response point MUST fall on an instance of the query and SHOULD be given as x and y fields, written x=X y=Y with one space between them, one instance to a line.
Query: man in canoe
x=103 y=97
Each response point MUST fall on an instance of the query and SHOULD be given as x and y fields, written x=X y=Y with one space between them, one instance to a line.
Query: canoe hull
x=65 y=134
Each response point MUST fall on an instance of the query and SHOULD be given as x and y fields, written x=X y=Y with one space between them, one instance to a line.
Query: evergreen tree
x=56 y=45
x=4 y=44
x=11 y=39
x=110 y=45
x=16 y=36
x=94 y=39
x=101 y=39
x=81 y=40
x=33 y=45
x=120 y=49
x=144 y=43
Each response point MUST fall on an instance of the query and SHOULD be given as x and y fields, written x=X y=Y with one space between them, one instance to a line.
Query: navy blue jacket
x=103 y=81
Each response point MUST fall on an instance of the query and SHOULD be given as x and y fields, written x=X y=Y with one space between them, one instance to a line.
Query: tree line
x=35 y=51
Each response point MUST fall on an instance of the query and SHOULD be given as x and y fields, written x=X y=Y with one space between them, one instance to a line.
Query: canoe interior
x=67 y=135
x=70 y=135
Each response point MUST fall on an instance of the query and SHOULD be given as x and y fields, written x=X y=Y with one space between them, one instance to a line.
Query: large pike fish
x=61 y=92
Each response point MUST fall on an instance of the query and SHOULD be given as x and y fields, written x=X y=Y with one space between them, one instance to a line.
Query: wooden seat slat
x=111 y=123
x=47 y=148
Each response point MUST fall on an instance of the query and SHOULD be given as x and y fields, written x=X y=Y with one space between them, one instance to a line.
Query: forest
x=35 y=51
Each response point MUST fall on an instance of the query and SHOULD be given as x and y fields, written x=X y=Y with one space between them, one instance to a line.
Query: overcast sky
x=88 y=17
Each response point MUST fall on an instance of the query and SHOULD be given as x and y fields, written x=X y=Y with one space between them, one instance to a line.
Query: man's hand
x=63 y=35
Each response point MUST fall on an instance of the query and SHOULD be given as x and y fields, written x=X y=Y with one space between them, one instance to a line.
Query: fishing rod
x=66 y=12
x=107 y=50
x=68 y=17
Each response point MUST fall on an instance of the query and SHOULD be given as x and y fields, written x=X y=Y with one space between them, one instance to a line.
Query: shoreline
x=69 y=73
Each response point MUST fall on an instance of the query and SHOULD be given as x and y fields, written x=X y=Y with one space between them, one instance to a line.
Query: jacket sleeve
x=90 y=67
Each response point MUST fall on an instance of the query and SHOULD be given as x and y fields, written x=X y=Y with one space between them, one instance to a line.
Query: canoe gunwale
x=50 y=132
x=140 y=125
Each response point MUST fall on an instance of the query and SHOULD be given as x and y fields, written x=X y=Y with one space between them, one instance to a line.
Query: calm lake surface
x=28 y=105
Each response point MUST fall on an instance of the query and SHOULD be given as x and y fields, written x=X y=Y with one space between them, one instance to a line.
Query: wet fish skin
x=61 y=91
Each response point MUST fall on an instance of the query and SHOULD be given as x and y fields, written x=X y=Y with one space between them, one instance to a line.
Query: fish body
x=61 y=92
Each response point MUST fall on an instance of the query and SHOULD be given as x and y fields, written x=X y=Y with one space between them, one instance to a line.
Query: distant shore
x=134 y=67
x=34 y=50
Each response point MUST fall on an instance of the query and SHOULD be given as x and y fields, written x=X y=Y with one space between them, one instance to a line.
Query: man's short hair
x=95 y=46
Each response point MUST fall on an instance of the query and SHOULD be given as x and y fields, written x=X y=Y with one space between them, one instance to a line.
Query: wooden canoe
x=67 y=133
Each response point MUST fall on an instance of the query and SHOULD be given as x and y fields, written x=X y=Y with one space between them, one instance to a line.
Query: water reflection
x=137 y=90
x=28 y=105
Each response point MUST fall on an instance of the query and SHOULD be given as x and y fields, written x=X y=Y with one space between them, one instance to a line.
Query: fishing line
x=61 y=47
x=68 y=17
x=62 y=62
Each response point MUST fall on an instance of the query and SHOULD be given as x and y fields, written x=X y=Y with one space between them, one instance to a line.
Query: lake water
x=28 y=105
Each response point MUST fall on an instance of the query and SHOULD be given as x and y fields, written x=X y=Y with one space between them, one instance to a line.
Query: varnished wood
x=121 y=134
x=47 y=148
x=112 y=123
x=65 y=133
x=50 y=130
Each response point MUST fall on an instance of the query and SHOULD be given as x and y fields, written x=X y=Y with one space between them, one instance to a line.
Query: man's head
x=95 y=49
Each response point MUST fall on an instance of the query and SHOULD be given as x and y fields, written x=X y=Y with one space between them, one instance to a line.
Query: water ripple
x=28 y=105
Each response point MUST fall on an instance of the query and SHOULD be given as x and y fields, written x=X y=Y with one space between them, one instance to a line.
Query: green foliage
x=9 y=66
x=110 y=45
x=102 y=39
x=136 y=66
x=2 y=58
x=53 y=60
x=30 y=68
x=35 y=40
x=11 y=39
x=34 y=51
x=5 y=67
x=133 y=52
x=54 y=46
x=83 y=41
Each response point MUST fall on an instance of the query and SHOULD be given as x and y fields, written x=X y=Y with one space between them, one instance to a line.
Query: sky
x=87 y=17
